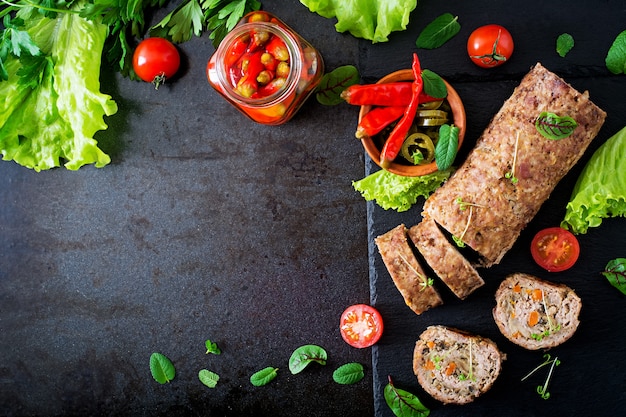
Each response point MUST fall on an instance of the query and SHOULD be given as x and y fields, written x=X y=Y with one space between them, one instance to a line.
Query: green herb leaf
x=211 y=347
x=554 y=127
x=433 y=84
x=446 y=148
x=616 y=56
x=264 y=376
x=564 y=44
x=615 y=272
x=403 y=403
x=438 y=32
x=208 y=378
x=161 y=367
x=304 y=355
x=181 y=23
x=331 y=86
x=349 y=373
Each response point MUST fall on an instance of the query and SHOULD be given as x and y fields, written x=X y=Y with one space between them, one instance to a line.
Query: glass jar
x=265 y=69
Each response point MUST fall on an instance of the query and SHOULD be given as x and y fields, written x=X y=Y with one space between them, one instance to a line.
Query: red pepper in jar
x=236 y=51
x=384 y=94
x=377 y=119
x=398 y=134
x=278 y=49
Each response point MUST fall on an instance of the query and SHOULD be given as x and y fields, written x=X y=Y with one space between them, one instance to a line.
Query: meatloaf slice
x=534 y=313
x=454 y=366
x=407 y=274
x=513 y=169
x=447 y=262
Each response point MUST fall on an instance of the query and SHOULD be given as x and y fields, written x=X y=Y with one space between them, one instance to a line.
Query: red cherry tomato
x=490 y=46
x=361 y=325
x=155 y=60
x=555 y=249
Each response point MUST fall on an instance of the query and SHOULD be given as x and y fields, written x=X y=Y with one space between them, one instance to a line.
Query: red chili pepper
x=398 y=134
x=270 y=88
x=385 y=94
x=251 y=64
x=277 y=47
x=236 y=50
x=377 y=119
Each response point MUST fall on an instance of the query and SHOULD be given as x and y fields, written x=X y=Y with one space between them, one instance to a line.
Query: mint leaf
x=438 y=32
x=161 y=367
x=347 y=374
x=433 y=84
x=264 y=376
x=211 y=347
x=616 y=57
x=564 y=44
x=446 y=148
x=208 y=378
x=304 y=355
x=329 y=90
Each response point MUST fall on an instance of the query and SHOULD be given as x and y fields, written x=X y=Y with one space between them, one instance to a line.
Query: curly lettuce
x=600 y=191
x=53 y=121
x=368 y=19
x=397 y=192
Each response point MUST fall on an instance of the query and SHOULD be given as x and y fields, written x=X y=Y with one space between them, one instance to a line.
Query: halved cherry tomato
x=490 y=46
x=555 y=249
x=361 y=325
x=155 y=60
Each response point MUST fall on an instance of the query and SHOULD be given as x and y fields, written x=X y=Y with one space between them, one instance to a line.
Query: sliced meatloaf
x=454 y=366
x=513 y=169
x=534 y=313
x=407 y=274
x=445 y=260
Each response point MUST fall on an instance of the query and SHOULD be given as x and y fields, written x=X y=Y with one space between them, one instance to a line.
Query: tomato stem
x=494 y=56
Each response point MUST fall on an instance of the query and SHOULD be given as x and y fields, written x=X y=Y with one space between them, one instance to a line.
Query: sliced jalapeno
x=418 y=143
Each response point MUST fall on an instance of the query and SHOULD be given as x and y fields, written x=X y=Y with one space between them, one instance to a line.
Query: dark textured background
x=207 y=225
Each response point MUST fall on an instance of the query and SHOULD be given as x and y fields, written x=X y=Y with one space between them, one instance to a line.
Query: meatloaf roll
x=513 y=168
x=454 y=366
x=534 y=313
x=445 y=260
x=407 y=274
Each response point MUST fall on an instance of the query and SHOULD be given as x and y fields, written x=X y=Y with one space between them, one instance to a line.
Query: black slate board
x=591 y=379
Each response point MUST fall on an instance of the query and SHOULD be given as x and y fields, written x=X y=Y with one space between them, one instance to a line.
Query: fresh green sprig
x=542 y=390
x=425 y=281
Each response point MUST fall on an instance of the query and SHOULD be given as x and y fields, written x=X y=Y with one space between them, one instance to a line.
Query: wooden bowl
x=458 y=118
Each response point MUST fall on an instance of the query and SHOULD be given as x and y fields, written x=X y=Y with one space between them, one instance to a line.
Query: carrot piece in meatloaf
x=406 y=272
x=513 y=168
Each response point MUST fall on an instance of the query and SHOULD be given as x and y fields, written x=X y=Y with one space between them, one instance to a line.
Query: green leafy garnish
x=615 y=273
x=161 y=367
x=208 y=378
x=264 y=376
x=397 y=192
x=402 y=403
x=16 y=42
x=438 y=32
x=433 y=84
x=510 y=175
x=446 y=148
x=564 y=44
x=600 y=190
x=616 y=56
x=349 y=373
x=542 y=390
x=424 y=280
x=304 y=355
x=553 y=126
x=463 y=205
x=211 y=347
x=332 y=84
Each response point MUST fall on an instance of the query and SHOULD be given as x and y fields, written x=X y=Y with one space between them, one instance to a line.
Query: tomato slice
x=555 y=249
x=361 y=325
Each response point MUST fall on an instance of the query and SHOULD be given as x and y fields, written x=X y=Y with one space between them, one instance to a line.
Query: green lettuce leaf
x=55 y=121
x=368 y=19
x=600 y=191
x=398 y=192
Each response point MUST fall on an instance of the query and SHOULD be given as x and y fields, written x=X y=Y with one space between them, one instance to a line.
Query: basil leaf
x=438 y=32
x=564 y=44
x=264 y=376
x=615 y=272
x=211 y=347
x=348 y=374
x=304 y=355
x=433 y=84
x=616 y=57
x=403 y=403
x=329 y=90
x=555 y=127
x=161 y=368
x=208 y=378
x=446 y=148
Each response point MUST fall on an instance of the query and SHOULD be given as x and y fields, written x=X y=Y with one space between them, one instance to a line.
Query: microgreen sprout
x=426 y=282
x=551 y=328
x=542 y=390
x=511 y=174
x=470 y=374
x=463 y=205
